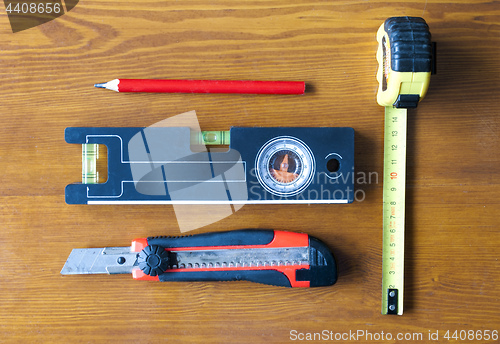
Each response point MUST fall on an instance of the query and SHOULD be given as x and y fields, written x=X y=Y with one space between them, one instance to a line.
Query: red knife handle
x=320 y=270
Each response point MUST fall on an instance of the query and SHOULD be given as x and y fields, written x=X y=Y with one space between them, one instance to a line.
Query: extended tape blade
x=394 y=210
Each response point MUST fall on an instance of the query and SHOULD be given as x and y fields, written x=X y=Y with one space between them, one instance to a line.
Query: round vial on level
x=285 y=166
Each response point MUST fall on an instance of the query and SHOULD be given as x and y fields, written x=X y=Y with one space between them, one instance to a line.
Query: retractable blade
x=264 y=256
x=107 y=260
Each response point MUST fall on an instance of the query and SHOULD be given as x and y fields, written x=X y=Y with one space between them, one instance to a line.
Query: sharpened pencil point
x=110 y=85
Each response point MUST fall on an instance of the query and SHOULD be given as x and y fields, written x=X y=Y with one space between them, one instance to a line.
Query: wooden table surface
x=452 y=253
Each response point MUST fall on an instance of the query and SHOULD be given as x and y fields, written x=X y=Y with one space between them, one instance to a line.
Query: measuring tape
x=394 y=210
x=405 y=56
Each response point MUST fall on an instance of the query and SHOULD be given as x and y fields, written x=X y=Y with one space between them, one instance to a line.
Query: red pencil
x=204 y=86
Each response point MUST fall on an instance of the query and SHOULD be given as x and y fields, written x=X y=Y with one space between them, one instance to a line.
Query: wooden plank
x=48 y=72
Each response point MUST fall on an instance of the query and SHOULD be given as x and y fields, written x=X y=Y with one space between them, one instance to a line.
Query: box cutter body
x=277 y=258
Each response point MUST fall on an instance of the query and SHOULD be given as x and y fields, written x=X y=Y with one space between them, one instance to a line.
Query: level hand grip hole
x=333 y=165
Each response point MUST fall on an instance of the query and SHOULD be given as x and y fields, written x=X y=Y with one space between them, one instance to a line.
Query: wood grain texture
x=452 y=258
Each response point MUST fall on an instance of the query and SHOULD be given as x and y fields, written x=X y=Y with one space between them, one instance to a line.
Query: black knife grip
x=240 y=237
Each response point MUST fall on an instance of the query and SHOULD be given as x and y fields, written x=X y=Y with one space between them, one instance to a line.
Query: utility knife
x=278 y=258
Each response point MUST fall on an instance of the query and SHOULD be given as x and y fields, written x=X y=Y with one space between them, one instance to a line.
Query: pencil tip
x=100 y=85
